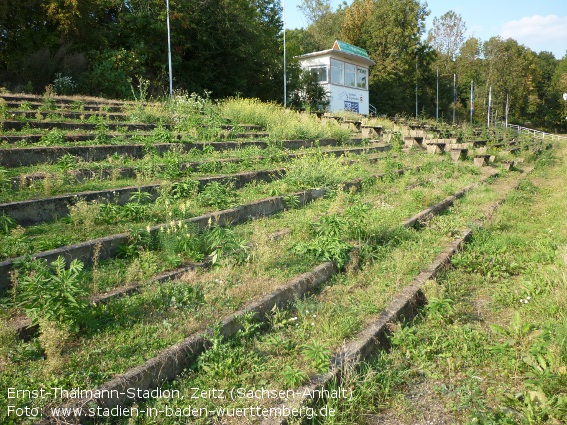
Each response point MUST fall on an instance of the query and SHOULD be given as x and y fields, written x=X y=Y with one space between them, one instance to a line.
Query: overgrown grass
x=127 y=324
x=300 y=341
x=281 y=123
x=491 y=345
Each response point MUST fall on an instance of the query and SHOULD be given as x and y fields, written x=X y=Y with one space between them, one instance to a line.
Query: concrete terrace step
x=48 y=209
x=64 y=100
x=16 y=157
x=25 y=180
x=76 y=125
x=74 y=115
x=248 y=131
x=77 y=107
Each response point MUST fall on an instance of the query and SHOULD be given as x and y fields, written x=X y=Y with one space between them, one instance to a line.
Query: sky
x=540 y=25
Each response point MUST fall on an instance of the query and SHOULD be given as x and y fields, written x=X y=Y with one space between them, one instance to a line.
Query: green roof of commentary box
x=349 y=48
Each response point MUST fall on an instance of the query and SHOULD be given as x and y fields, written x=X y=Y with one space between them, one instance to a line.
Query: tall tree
x=446 y=37
x=469 y=68
x=559 y=87
x=509 y=71
x=391 y=31
x=324 y=24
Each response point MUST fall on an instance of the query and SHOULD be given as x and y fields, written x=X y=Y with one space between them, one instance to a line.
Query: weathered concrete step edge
x=28 y=156
x=87 y=100
x=73 y=125
x=87 y=107
x=74 y=137
x=25 y=330
x=45 y=113
x=172 y=361
x=18 y=157
x=444 y=204
x=67 y=137
x=374 y=336
x=131 y=172
x=36 y=211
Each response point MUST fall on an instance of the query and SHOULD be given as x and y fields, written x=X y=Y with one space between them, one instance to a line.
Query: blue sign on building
x=351 y=106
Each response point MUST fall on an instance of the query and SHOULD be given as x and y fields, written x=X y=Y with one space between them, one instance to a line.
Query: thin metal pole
x=416 y=105
x=472 y=100
x=437 y=98
x=284 y=62
x=169 y=53
x=507 y=109
x=454 y=95
x=489 y=105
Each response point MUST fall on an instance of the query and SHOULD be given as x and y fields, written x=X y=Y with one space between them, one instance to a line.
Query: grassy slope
x=491 y=346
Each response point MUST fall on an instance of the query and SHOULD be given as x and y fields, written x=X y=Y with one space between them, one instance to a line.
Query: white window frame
x=350 y=75
x=337 y=66
x=318 y=67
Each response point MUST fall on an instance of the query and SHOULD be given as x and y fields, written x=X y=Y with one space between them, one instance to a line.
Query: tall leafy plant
x=52 y=293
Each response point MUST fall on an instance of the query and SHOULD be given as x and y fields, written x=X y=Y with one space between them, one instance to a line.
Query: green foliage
x=222 y=242
x=217 y=195
x=317 y=355
x=55 y=294
x=111 y=72
x=179 y=238
x=64 y=85
x=179 y=296
x=53 y=137
x=232 y=358
x=172 y=165
x=291 y=201
x=491 y=258
x=332 y=235
x=327 y=243
x=543 y=355
x=312 y=171
x=184 y=189
x=138 y=240
x=311 y=95
x=5 y=181
x=281 y=123
x=67 y=162
x=196 y=114
x=441 y=309
x=162 y=135
x=293 y=377
x=101 y=132
x=7 y=223
x=140 y=197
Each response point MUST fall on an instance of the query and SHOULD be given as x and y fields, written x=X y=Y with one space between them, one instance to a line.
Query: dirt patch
x=420 y=406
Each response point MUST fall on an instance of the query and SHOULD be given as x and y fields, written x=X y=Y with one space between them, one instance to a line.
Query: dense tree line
x=231 y=47
x=107 y=46
x=527 y=84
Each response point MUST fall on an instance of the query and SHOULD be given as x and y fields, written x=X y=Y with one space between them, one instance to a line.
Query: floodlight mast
x=284 y=61
x=169 y=52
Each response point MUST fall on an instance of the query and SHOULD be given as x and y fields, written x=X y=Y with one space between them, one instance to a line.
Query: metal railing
x=373 y=110
x=536 y=133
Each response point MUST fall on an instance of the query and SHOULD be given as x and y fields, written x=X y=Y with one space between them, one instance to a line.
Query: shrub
x=52 y=293
x=217 y=195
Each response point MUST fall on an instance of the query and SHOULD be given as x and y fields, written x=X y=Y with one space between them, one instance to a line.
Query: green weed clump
x=196 y=115
x=315 y=170
x=281 y=123
x=51 y=293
